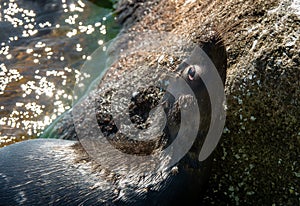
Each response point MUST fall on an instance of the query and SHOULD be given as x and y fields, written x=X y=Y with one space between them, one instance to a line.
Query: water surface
x=43 y=46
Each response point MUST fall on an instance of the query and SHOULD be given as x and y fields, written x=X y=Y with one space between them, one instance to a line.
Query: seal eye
x=191 y=73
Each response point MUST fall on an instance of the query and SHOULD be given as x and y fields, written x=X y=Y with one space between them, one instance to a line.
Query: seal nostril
x=191 y=72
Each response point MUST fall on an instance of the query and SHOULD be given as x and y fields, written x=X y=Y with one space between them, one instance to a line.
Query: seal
x=62 y=172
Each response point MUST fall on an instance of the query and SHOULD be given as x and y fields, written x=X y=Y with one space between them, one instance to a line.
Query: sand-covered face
x=141 y=114
x=133 y=115
x=147 y=103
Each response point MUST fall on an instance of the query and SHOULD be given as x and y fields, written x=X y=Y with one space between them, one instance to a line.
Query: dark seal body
x=45 y=172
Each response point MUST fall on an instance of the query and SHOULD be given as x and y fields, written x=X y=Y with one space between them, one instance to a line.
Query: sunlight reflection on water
x=43 y=46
